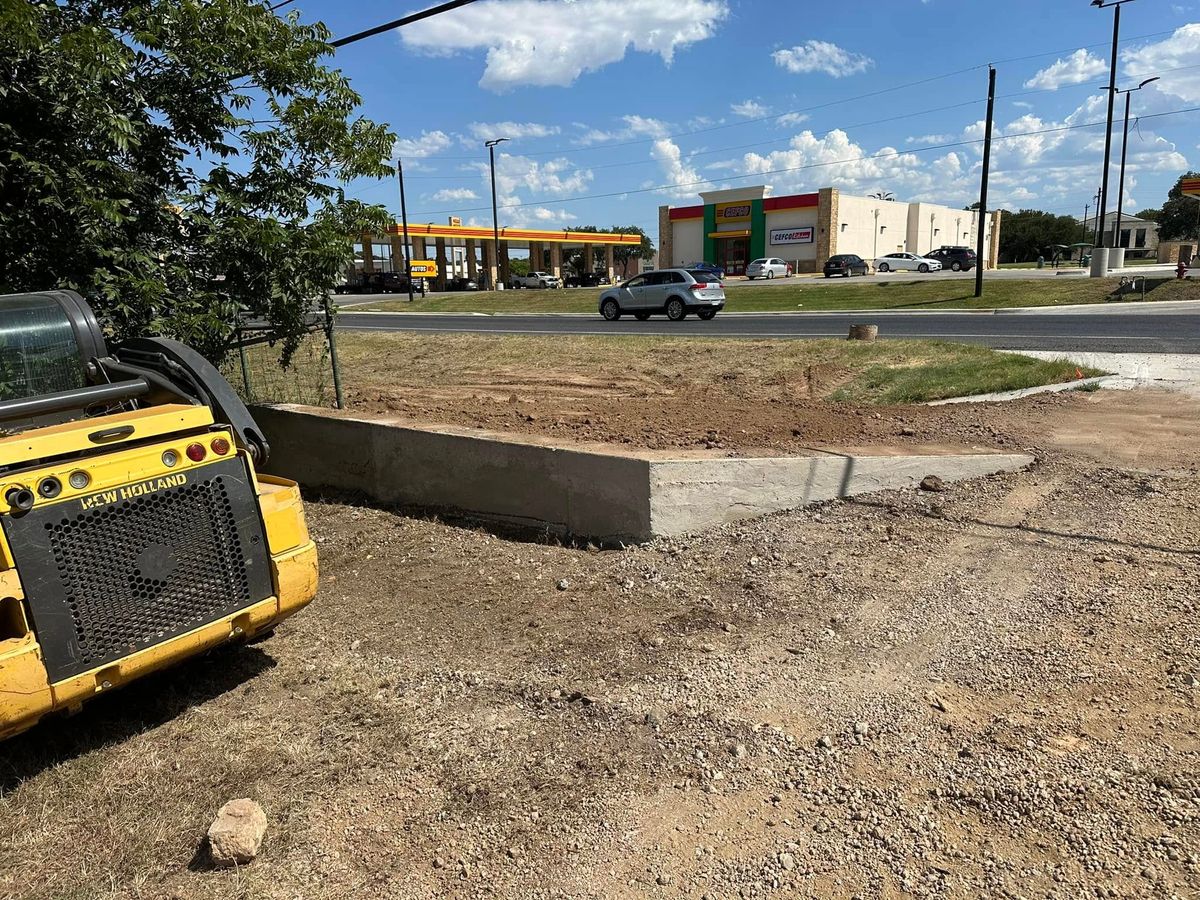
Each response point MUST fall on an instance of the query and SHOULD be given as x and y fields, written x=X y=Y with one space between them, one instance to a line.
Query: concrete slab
x=1172 y=371
x=606 y=496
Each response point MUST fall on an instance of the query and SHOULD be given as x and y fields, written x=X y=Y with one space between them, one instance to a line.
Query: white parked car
x=768 y=267
x=906 y=262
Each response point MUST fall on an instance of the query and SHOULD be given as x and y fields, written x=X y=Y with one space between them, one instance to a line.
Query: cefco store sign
x=737 y=211
x=792 y=235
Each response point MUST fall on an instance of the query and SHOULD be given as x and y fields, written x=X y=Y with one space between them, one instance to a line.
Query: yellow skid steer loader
x=135 y=530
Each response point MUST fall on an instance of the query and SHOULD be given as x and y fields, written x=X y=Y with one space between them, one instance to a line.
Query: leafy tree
x=622 y=255
x=1180 y=216
x=1150 y=215
x=572 y=257
x=178 y=160
x=1026 y=234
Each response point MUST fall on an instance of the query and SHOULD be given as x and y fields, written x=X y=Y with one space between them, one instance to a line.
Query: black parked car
x=847 y=264
x=387 y=283
x=587 y=279
x=355 y=284
x=956 y=259
x=461 y=284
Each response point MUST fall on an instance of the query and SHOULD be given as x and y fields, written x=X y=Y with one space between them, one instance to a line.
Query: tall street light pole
x=1128 y=92
x=1112 y=97
x=491 y=145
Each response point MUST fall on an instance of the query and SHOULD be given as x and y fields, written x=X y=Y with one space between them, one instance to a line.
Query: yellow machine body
x=123 y=457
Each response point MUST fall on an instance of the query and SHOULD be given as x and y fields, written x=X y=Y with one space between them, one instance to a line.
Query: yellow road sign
x=424 y=268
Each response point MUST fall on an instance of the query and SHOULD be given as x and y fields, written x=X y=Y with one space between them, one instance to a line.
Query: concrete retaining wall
x=691 y=494
x=595 y=495
x=568 y=491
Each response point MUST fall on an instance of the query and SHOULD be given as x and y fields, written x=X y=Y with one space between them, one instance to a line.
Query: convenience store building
x=734 y=227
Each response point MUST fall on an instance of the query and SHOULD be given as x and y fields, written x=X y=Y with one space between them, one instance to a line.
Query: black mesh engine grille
x=134 y=572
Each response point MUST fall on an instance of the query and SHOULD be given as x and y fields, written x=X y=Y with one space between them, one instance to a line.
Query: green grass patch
x=815 y=295
x=939 y=370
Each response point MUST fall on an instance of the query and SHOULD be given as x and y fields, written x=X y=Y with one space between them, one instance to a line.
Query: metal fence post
x=245 y=364
x=333 y=357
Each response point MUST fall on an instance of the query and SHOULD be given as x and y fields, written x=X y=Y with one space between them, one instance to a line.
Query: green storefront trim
x=758 y=230
x=710 y=225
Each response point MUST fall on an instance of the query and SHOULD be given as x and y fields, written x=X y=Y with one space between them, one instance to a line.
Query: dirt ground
x=746 y=398
x=987 y=692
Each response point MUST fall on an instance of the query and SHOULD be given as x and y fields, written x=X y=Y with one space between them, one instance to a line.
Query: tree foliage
x=1180 y=216
x=645 y=250
x=573 y=258
x=1027 y=234
x=177 y=161
x=1150 y=215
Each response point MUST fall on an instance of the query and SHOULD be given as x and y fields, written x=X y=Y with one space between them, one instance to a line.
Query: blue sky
x=611 y=103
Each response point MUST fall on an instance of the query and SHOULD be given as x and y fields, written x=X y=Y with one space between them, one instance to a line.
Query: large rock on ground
x=237 y=834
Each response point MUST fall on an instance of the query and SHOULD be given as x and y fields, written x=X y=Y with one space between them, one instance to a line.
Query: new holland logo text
x=130 y=491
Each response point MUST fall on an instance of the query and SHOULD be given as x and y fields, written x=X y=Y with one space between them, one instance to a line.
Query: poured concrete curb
x=1003 y=396
x=599 y=495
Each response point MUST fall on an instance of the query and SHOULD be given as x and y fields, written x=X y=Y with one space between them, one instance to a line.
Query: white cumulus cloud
x=793 y=118
x=455 y=195
x=485 y=131
x=822 y=56
x=749 y=109
x=429 y=143
x=632 y=127
x=1179 y=52
x=677 y=171
x=552 y=42
x=1077 y=68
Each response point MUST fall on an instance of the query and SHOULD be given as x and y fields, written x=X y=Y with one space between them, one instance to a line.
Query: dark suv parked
x=956 y=259
x=587 y=279
x=847 y=264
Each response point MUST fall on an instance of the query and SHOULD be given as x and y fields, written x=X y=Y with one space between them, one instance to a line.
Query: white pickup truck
x=536 y=280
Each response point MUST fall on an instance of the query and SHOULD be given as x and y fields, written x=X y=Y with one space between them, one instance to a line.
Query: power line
x=400 y=23
x=807 y=109
x=886 y=155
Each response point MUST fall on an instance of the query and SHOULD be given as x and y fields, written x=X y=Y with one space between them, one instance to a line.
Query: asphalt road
x=1175 y=330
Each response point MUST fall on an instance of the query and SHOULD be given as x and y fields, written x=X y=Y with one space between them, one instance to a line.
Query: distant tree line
x=1029 y=233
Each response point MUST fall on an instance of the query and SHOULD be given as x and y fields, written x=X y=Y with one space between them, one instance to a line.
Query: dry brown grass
x=932 y=369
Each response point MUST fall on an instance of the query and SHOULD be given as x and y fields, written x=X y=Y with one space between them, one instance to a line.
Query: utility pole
x=1099 y=224
x=983 y=185
x=1128 y=92
x=1112 y=96
x=404 y=225
x=491 y=145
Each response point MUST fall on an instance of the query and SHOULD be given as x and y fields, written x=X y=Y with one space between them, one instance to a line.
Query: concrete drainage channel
x=600 y=495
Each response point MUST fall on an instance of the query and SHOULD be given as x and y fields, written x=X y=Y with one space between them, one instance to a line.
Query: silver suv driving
x=675 y=292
